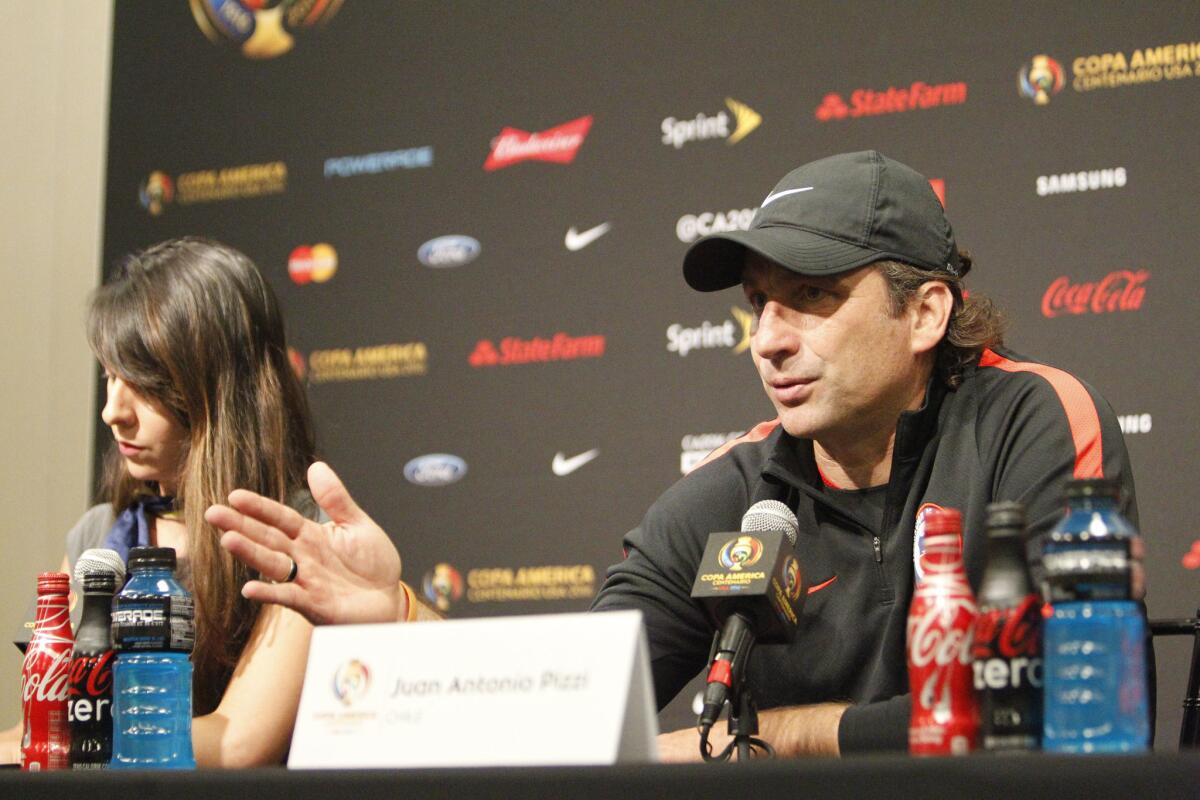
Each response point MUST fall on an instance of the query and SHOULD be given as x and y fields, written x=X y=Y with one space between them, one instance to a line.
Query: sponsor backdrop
x=475 y=215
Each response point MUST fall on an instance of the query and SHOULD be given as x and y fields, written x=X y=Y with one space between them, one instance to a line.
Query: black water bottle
x=89 y=693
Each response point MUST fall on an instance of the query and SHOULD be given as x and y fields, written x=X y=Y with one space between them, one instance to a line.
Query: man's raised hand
x=347 y=570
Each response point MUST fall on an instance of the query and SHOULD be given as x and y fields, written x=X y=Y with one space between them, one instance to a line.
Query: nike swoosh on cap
x=565 y=466
x=771 y=198
x=577 y=241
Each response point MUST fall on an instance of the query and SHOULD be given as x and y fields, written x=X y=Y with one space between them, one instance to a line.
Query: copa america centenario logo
x=739 y=553
x=156 y=192
x=443 y=585
x=1040 y=78
x=351 y=681
x=260 y=28
x=791 y=577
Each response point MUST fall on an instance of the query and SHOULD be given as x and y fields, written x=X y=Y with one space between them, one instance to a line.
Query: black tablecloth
x=1160 y=777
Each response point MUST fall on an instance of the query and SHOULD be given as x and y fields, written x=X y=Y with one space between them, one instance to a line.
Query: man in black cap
x=894 y=397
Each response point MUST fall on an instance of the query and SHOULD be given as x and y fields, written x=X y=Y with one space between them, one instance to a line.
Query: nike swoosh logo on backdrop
x=577 y=241
x=771 y=198
x=565 y=466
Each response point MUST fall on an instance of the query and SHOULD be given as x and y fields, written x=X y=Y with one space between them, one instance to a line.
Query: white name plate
x=509 y=691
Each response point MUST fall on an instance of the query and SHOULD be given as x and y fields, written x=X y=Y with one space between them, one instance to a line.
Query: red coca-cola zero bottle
x=1008 y=639
x=46 y=739
x=941 y=621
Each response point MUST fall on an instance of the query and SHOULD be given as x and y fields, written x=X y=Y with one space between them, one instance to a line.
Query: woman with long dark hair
x=201 y=399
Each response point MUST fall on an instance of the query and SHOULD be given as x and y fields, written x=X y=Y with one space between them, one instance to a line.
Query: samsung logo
x=448 y=251
x=435 y=469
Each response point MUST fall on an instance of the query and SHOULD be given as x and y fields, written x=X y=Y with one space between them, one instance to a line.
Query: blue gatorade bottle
x=153 y=632
x=1095 y=637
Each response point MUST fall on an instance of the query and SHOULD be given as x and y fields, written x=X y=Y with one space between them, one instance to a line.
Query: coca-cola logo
x=46 y=685
x=943 y=633
x=1010 y=633
x=1120 y=290
x=91 y=675
x=940 y=637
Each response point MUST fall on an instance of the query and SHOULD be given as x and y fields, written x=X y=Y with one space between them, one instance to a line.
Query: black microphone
x=752 y=585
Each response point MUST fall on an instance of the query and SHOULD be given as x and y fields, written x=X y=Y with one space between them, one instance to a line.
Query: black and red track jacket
x=1013 y=430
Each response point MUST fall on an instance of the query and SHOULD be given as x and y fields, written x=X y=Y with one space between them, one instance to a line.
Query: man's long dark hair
x=976 y=323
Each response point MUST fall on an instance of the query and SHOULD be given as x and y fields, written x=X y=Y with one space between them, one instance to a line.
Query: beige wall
x=53 y=131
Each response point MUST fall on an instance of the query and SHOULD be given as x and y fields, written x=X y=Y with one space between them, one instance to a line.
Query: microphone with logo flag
x=752 y=585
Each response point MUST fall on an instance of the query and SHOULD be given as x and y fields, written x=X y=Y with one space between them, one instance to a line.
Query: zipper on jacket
x=878 y=549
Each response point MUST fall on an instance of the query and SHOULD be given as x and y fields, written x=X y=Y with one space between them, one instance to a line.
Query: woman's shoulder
x=89 y=531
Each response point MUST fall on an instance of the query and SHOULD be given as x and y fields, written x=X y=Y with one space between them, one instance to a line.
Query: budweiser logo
x=50 y=684
x=1121 y=290
x=558 y=145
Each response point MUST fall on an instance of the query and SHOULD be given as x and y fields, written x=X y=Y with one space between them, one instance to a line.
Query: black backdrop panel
x=370 y=135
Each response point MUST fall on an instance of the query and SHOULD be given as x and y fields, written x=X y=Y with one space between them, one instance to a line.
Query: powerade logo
x=435 y=469
x=448 y=251
x=376 y=163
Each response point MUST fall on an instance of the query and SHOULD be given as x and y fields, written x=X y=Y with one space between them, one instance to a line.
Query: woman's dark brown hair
x=975 y=323
x=190 y=323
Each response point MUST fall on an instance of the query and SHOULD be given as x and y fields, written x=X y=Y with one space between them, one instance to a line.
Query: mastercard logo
x=312 y=264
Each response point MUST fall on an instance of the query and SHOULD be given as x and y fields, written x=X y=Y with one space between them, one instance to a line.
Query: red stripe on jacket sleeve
x=1082 y=417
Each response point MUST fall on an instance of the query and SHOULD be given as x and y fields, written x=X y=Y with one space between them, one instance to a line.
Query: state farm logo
x=709 y=336
x=1082 y=181
x=678 y=132
x=872 y=102
x=315 y=264
x=692 y=226
x=1120 y=290
x=515 y=350
x=557 y=145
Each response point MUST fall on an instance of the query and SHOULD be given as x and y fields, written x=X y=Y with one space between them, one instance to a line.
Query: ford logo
x=448 y=251
x=435 y=469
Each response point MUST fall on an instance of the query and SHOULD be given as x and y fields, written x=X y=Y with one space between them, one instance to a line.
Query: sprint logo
x=678 y=132
x=731 y=334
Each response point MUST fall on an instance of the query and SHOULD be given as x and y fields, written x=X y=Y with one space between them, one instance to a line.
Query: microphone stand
x=743 y=719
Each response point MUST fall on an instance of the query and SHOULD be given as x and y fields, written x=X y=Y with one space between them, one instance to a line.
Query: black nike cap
x=834 y=215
